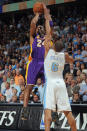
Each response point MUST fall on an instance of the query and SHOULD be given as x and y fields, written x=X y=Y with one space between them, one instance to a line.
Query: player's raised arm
x=48 y=18
x=47 y=42
x=47 y=23
x=48 y=30
x=33 y=27
x=68 y=59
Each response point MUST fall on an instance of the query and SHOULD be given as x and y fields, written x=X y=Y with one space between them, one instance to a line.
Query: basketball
x=38 y=8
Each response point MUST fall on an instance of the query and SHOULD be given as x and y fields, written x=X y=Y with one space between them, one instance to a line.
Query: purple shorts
x=34 y=70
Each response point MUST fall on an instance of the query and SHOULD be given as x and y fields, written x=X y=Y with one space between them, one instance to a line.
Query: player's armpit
x=68 y=59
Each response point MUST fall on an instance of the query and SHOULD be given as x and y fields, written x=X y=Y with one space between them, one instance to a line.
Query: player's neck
x=55 y=50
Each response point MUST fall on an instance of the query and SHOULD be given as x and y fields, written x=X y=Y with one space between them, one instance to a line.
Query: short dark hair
x=58 y=45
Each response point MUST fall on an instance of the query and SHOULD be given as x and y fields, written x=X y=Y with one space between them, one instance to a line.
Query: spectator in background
x=77 y=65
x=0 y=96
x=83 y=77
x=14 y=92
x=69 y=49
x=8 y=92
x=18 y=77
x=78 y=73
x=6 y=69
x=21 y=98
x=9 y=61
x=18 y=67
x=79 y=57
x=72 y=70
x=15 y=64
x=1 y=70
x=9 y=76
x=84 y=36
x=83 y=91
x=1 y=75
x=13 y=73
x=12 y=84
x=70 y=89
x=14 y=99
x=67 y=81
x=82 y=67
x=78 y=80
x=66 y=70
x=38 y=84
x=23 y=71
x=36 y=99
x=10 y=68
x=17 y=87
x=3 y=85
x=84 y=55
x=3 y=99
x=76 y=98
x=22 y=87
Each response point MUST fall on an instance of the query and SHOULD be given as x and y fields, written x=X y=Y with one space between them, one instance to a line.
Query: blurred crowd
x=3 y=2
x=71 y=28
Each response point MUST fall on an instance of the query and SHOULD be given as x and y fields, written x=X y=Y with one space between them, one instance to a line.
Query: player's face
x=40 y=30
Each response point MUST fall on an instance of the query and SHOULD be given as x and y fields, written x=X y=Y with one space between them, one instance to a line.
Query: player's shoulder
x=51 y=51
x=62 y=53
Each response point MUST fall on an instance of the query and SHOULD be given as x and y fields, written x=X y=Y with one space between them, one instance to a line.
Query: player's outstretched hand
x=45 y=8
x=46 y=12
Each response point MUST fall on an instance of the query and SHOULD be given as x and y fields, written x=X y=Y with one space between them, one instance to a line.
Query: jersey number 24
x=40 y=43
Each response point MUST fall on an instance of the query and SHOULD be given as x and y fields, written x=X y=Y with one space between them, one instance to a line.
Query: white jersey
x=54 y=65
x=55 y=88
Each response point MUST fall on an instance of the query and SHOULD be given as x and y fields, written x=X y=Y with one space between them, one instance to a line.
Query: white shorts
x=56 y=94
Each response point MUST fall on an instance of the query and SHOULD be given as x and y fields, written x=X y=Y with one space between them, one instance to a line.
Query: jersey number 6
x=54 y=67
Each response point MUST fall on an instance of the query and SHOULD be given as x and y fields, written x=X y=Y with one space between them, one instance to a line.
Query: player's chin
x=43 y=32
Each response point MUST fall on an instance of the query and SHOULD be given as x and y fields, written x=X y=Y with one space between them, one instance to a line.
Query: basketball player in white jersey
x=55 y=92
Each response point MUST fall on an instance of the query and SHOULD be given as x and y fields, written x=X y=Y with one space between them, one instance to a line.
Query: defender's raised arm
x=47 y=42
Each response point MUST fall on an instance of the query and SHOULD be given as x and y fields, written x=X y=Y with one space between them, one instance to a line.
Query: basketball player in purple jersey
x=35 y=67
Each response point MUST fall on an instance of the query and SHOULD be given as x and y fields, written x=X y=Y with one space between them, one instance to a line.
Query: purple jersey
x=35 y=67
x=38 y=49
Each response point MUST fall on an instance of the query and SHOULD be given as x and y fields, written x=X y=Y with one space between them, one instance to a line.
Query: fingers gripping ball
x=38 y=8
